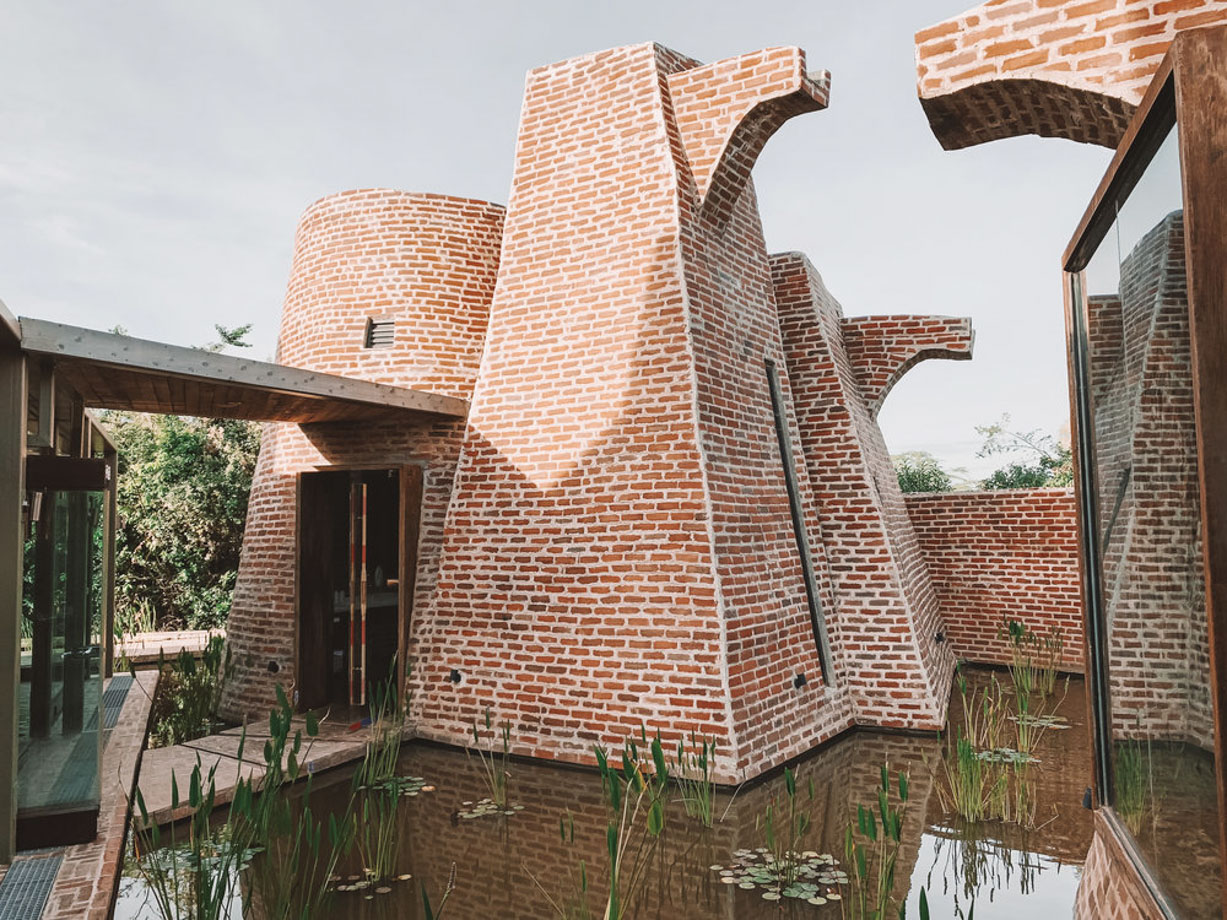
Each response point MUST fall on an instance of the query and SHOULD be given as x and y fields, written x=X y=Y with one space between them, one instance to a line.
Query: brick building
x=670 y=502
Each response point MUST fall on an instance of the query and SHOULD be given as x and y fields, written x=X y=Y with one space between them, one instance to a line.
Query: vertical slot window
x=798 y=523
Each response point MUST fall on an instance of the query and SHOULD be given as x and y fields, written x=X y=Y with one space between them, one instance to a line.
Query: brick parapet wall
x=1059 y=68
x=1002 y=554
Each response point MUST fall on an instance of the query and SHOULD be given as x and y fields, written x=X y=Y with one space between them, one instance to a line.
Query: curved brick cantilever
x=884 y=348
x=1058 y=68
x=727 y=111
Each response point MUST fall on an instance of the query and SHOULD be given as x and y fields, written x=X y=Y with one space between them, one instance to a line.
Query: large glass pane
x=61 y=686
x=1140 y=391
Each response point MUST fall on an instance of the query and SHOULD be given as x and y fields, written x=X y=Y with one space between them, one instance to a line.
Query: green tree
x=919 y=471
x=183 y=487
x=1041 y=460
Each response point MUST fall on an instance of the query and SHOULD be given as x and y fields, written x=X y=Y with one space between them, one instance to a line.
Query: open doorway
x=357 y=556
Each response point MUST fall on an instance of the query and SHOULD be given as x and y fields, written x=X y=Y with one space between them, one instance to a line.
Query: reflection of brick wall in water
x=497 y=862
x=1110 y=887
x=1002 y=554
x=1148 y=496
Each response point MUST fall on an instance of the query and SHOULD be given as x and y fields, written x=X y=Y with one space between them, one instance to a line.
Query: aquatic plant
x=494 y=761
x=816 y=877
x=434 y=913
x=188 y=693
x=293 y=875
x=783 y=828
x=694 y=777
x=1130 y=783
x=388 y=712
x=971 y=783
x=636 y=799
x=983 y=712
x=377 y=839
x=573 y=903
x=1023 y=671
x=871 y=859
x=198 y=878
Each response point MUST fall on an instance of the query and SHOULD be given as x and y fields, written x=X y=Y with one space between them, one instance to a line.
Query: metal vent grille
x=379 y=332
x=26 y=885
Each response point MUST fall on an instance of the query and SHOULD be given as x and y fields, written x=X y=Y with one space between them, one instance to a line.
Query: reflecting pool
x=528 y=863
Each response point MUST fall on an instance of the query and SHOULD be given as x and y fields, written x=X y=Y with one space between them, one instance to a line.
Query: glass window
x=61 y=684
x=1136 y=391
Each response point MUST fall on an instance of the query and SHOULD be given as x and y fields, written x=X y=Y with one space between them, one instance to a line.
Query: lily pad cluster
x=815 y=877
x=484 y=807
x=1006 y=755
x=401 y=785
x=366 y=883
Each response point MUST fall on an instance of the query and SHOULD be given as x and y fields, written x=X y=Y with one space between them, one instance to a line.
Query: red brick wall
x=1058 y=68
x=884 y=348
x=1010 y=553
x=886 y=612
x=429 y=262
x=608 y=540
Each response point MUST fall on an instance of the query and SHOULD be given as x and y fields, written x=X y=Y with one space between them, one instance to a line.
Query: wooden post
x=12 y=545
x=1201 y=100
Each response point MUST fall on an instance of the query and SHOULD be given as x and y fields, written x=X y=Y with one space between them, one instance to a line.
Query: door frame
x=412 y=475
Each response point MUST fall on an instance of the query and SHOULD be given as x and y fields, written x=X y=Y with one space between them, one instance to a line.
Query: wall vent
x=380 y=332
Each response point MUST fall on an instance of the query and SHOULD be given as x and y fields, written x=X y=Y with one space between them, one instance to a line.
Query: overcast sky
x=155 y=157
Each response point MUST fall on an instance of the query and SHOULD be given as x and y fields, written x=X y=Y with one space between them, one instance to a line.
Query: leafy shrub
x=920 y=472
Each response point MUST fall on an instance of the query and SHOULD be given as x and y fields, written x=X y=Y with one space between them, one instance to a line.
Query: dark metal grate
x=26 y=887
x=379 y=332
x=113 y=699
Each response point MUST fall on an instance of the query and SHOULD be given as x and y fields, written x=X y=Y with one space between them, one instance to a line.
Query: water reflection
x=525 y=865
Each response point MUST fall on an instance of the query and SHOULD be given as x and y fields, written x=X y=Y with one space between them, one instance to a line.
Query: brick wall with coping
x=998 y=554
x=1059 y=68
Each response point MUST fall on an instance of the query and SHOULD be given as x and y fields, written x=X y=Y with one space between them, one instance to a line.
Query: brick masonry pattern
x=607 y=541
x=1010 y=553
x=1059 y=68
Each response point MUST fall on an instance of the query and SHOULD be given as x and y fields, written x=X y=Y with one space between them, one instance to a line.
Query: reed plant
x=188 y=693
x=377 y=839
x=197 y=878
x=984 y=712
x=636 y=793
x=378 y=767
x=495 y=758
x=784 y=825
x=973 y=785
x=435 y=913
x=871 y=851
x=694 y=773
x=573 y=903
x=1130 y=784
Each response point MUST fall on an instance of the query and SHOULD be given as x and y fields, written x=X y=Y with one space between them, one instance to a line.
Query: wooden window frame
x=1189 y=92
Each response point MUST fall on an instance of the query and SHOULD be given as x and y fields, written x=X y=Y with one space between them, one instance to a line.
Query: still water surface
x=505 y=866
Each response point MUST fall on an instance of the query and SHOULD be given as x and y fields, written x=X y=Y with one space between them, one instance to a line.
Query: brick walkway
x=338 y=743
x=143 y=648
x=89 y=875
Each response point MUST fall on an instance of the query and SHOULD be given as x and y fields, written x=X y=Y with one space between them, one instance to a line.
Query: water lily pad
x=771 y=896
x=816 y=900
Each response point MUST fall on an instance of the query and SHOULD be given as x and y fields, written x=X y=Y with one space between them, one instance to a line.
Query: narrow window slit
x=798 y=525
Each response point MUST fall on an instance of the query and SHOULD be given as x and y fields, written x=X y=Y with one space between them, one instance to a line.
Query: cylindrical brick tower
x=387 y=286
